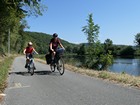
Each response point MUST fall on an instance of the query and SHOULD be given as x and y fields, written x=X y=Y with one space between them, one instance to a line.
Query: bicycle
x=58 y=62
x=30 y=63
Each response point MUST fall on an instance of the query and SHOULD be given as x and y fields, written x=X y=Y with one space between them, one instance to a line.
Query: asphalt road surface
x=46 y=88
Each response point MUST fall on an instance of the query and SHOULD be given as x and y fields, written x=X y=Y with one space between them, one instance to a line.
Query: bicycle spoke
x=60 y=66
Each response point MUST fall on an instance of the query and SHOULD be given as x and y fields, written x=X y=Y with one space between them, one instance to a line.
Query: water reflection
x=129 y=66
x=121 y=65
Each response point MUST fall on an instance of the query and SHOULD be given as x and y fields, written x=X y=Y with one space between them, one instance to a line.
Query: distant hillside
x=41 y=41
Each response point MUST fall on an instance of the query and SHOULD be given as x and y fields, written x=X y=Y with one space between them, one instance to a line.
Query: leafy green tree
x=75 y=49
x=12 y=12
x=94 y=51
x=137 y=39
x=81 y=50
x=91 y=30
x=106 y=60
x=137 y=52
x=127 y=51
x=81 y=53
x=108 y=45
x=69 y=49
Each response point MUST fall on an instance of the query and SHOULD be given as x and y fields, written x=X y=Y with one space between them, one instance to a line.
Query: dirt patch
x=1 y=98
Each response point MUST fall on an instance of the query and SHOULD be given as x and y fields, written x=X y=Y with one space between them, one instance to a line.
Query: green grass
x=4 y=68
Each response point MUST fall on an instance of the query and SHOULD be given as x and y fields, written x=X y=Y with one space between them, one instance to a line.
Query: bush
x=105 y=61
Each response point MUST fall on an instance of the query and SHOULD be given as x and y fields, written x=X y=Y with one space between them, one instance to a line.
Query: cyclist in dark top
x=54 y=43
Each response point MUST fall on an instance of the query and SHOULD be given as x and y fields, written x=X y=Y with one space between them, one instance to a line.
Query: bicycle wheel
x=28 y=68
x=32 y=68
x=60 y=66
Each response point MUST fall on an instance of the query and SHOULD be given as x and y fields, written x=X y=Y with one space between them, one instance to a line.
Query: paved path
x=46 y=88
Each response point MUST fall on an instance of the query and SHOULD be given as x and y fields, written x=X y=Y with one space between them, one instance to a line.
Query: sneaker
x=25 y=65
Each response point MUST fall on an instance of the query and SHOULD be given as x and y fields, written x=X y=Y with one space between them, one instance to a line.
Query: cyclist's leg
x=26 y=64
x=53 y=56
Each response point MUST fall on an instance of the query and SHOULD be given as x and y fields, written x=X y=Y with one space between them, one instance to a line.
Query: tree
x=69 y=49
x=94 y=53
x=81 y=50
x=137 y=39
x=12 y=12
x=108 y=45
x=91 y=30
x=127 y=51
x=106 y=60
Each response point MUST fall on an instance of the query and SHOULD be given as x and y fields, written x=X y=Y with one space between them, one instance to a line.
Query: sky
x=119 y=20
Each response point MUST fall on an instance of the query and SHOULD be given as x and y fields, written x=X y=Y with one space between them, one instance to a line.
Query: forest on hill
x=41 y=41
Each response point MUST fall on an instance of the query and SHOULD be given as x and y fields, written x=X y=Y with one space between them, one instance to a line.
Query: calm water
x=129 y=66
x=121 y=65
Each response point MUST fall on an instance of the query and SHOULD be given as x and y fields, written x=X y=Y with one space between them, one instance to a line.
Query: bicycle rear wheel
x=60 y=66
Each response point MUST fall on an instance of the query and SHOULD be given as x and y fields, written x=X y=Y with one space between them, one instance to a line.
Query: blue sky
x=119 y=20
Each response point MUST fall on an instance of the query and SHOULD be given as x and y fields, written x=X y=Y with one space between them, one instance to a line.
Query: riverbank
x=119 y=78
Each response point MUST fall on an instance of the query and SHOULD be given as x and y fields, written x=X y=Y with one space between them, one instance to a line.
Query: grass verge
x=124 y=79
x=5 y=65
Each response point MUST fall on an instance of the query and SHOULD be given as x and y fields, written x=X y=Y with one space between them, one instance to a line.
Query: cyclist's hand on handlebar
x=64 y=49
x=52 y=50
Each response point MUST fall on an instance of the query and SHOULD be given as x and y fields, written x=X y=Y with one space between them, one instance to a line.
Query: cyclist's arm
x=51 y=47
x=24 y=52
x=61 y=44
x=35 y=51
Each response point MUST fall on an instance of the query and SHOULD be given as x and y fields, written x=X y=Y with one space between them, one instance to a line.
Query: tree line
x=12 y=20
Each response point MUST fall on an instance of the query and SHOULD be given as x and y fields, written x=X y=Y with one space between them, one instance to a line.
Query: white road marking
x=18 y=85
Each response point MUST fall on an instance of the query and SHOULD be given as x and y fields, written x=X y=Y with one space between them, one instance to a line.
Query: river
x=129 y=66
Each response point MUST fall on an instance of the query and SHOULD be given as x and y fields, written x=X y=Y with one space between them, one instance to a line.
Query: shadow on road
x=42 y=72
x=19 y=73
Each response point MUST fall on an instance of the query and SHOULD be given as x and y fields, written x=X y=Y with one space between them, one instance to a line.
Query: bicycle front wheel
x=32 y=68
x=60 y=66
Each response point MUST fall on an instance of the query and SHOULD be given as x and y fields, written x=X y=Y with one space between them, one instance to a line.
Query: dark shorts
x=29 y=55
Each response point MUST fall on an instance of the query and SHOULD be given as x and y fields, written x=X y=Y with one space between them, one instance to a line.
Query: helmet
x=55 y=35
x=30 y=43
